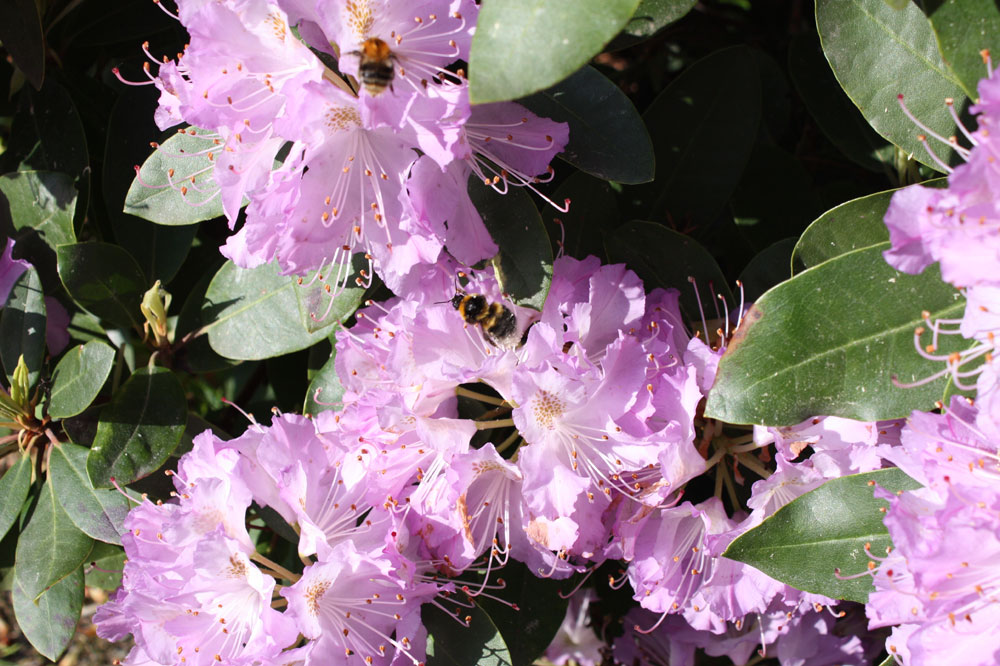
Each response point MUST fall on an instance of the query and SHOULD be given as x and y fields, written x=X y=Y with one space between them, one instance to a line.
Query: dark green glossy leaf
x=44 y=201
x=664 y=258
x=593 y=210
x=607 y=137
x=829 y=341
x=22 y=326
x=108 y=562
x=703 y=127
x=524 y=264
x=79 y=377
x=47 y=135
x=964 y=28
x=451 y=644
x=852 y=225
x=139 y=429
x=651 y=15
x=105 y=280
x=163 y=191
x=252 y=314
x=522 y=46
x=833 y=111
x=768 y=268
x=98 y=512
x=530 y=629
x=82 y=428
x=160 y=250
x=49 y=621
x=14 y=486
x=823 y=530
x=196 y=355
x=315 y=309
x=877 y=53
x=325 y=389
x=50 y=548
x=21 y=34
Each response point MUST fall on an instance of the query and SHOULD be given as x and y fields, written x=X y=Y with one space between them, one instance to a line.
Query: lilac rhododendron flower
x=350 y=181
x=957 y=227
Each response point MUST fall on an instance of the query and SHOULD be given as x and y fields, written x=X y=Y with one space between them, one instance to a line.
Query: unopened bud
x=155 y=303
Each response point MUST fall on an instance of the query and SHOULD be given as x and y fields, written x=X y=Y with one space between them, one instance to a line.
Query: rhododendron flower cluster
x=936 y=587
x=378 y=171
x=583 y=443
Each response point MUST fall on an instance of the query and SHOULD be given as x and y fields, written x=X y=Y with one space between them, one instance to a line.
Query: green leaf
x=252 y=314
x=98 y=512
x=833 y=111
x=108 y=561
x=79 y=377
x=651 y=15
x=51 y=547
x=103 y=279
x=197 y=355
x=316 y=312
x=825 y=529
x=536 y=598
x=524 y=264
x=159 y=250
x=852 y=225
x=14 y=487
x=43 y=201
x=22 y=326
x=888 y=661
x=964 y=29
x=49 y=622
x=139 y=428
x=47 y=135
x=21 y=34
x=664 y=258
x=877 y=53
x=328 y=384
x=451 y=644
x=829 y=341
x=607 y=137
x=703 y=128
x=523 y=46
x=163 y=192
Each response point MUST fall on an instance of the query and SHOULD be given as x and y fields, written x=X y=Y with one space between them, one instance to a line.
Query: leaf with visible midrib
x=607 y=137
x=14 y=487
x=139 y=429
x=49 y=622
x=252 y=314
x=103 y=279
x=877 y=53
x=825 y=529
x=22 y=326
x=830 y=340
x=156 y=193
x=99 y=513
x=78 y=378
x=50 y=547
